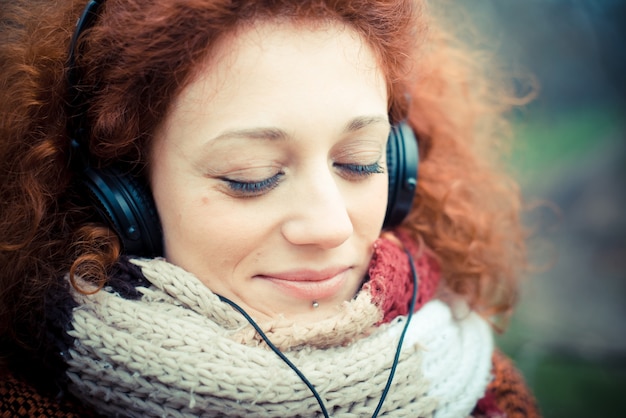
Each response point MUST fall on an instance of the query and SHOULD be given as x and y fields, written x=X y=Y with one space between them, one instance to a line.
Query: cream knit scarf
x=179 y=351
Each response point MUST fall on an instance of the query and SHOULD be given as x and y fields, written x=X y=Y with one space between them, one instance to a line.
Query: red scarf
x=390 y=281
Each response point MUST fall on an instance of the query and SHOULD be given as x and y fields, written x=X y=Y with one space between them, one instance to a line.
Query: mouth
x=310 y=284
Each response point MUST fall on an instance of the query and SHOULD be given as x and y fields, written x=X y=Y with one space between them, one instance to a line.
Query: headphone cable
x=404 y=330
x=304 y=379
x=278 y=353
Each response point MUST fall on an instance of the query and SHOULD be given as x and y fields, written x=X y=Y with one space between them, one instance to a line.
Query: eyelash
x=253 y=188
x=356 y=171
x=258 y=188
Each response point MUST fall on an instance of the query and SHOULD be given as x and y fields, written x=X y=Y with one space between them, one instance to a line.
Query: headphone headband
x=77 y=105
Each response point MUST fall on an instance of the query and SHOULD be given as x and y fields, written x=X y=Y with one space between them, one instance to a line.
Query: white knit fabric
x=177 y=352
x=468 y=340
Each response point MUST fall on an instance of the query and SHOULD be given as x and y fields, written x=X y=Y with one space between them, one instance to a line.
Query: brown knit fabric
x=19 y=399
x=507 y=395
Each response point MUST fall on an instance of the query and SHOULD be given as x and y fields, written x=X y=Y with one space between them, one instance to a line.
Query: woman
x=245 y=251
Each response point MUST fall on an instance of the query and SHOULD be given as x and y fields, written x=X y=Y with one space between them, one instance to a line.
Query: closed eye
x=244 y=188
x=359 y=171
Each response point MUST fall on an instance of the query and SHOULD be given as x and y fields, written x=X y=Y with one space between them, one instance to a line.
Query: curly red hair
x=141 y=54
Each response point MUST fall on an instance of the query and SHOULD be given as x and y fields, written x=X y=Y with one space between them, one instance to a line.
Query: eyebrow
x=276 y=134
x=365 y=121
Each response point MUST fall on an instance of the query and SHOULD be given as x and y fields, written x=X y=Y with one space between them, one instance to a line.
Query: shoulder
x=507 y=395
x=18 y=398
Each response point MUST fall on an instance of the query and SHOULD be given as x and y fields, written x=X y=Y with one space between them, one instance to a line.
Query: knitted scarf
x=175 y=349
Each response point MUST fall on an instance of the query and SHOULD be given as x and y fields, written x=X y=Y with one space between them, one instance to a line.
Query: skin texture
x=269 y=170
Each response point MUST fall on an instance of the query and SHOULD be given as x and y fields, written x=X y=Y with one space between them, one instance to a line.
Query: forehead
x=272 y=72
x=266 y=49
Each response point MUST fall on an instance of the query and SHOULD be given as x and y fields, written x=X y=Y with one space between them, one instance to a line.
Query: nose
x=318 y=214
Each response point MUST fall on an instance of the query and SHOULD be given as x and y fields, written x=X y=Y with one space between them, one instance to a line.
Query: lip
x=309 y=284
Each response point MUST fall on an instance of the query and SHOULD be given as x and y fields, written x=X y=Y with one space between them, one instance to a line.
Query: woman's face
x=269 y=171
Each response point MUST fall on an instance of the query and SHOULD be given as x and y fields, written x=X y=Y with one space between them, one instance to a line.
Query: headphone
x=123 y=200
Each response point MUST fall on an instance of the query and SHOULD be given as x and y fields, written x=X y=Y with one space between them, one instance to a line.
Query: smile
x=310 y=284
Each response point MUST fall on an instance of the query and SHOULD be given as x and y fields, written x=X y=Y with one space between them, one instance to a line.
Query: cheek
x=209 y=231
x=369 y=208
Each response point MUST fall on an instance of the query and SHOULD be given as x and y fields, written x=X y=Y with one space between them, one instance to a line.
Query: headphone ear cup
x=127 y=206
x=402 y=163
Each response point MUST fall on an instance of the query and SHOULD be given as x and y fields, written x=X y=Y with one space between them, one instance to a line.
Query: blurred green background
x=568 y=335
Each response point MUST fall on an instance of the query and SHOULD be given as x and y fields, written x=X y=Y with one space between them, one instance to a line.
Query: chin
x=296 y=311
x=311 y=314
